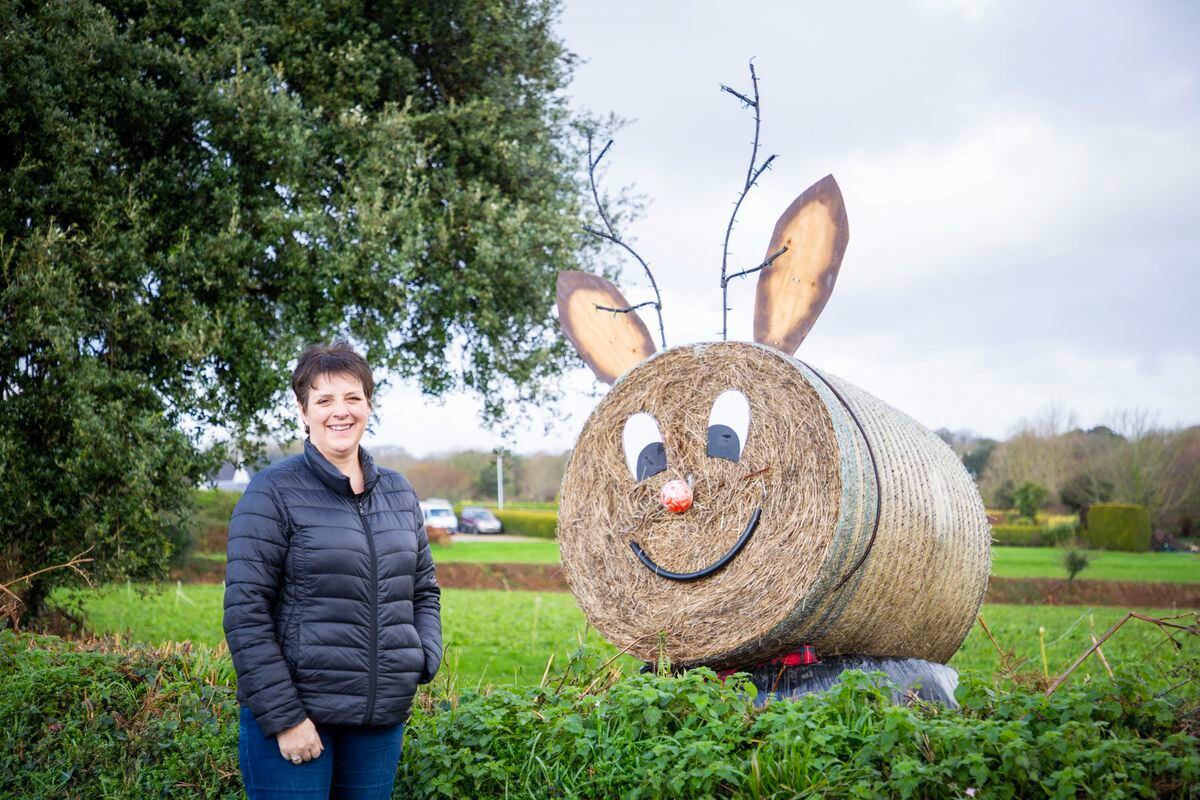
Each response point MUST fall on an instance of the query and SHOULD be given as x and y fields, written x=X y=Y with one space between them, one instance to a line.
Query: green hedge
x=1118 y=526
x=209 y=522
x=542 y=524
x=1033 y=535
x=98 y=723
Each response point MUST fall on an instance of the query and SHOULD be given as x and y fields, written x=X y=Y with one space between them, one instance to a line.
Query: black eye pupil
x=723 y=443
x=651 y=461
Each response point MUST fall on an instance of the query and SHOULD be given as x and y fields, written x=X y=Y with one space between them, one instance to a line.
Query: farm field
x=535 y=551
x=1007 y=562
x=1046 y=562
x=495 y=637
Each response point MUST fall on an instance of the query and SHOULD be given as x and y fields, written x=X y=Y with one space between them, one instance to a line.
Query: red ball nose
x=676 y=496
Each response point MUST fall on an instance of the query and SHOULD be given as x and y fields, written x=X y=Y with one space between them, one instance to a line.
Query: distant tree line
x=1132 y=459
x=471 y=475
x=466 y=474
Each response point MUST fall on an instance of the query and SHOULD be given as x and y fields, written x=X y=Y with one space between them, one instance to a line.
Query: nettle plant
x=727 y=503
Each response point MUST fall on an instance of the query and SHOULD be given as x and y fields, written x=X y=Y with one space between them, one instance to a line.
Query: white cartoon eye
x=644 y=451
x=727 y=425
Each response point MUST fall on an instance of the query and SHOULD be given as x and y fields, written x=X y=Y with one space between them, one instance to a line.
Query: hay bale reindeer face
x=727 y=503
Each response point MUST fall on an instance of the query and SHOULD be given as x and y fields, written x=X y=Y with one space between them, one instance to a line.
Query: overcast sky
x=1022 y=182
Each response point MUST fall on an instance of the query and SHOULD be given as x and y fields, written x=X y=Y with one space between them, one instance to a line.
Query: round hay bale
x=871 y=538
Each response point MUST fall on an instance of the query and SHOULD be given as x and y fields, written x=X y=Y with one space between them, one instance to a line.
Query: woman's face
x=337 y=414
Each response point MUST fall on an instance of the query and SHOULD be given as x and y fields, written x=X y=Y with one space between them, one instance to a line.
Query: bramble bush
x=97 y=720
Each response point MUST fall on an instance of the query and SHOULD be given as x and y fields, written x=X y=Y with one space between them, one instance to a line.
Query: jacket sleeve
x=427 y=608
x=254 y=568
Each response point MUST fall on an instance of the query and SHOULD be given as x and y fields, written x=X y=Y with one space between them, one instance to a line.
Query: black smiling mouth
x=720 y=563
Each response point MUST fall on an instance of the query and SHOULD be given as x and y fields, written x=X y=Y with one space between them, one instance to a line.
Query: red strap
x=798 y=658
x=803 y=656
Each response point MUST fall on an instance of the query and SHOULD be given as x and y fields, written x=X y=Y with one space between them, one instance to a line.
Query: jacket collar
x=332 y=477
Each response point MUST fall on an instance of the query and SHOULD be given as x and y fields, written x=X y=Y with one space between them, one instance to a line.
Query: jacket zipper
x=373 y=666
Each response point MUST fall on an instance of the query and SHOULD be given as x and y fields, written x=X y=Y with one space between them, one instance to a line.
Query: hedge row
x=1033 y=535
x=210 y=519
x=542 y=524
x=139 y=723
x=1118 y=526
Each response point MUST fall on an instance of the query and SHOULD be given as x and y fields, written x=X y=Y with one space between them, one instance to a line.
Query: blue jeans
x=358 y=763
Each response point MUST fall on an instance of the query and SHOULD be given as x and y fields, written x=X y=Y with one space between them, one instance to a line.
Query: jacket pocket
x=290 y=641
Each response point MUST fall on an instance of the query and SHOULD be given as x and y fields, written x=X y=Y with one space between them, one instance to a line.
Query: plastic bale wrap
x=906 y=678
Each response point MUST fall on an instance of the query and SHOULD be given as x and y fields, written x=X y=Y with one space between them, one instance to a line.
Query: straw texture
x=807 y=466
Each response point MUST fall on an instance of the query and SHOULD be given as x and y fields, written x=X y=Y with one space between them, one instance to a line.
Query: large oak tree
x=191 y=191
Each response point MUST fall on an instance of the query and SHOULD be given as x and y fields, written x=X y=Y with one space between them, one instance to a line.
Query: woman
x=332 y=612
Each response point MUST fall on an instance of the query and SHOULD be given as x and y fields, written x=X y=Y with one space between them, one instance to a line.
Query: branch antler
x=611 y=235
x=753 y=172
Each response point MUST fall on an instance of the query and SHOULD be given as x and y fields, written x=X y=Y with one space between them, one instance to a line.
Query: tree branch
x=752 y=174
x=10 y=606
x=749 y=103
x=1162 y=624
x=770 y=260
x=625 y=310
x=611 y=235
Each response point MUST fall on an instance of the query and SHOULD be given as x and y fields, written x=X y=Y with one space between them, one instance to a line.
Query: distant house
x=231 y=479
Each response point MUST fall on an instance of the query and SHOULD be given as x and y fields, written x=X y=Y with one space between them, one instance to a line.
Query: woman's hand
x=300 y=743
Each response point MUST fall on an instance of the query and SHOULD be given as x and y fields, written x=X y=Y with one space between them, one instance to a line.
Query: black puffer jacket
x=332 y=610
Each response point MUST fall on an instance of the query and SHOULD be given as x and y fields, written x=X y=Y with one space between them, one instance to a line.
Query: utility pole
x=500 y=479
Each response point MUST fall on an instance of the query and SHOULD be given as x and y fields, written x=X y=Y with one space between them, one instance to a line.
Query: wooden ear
x=794 y=289
x=610 y=342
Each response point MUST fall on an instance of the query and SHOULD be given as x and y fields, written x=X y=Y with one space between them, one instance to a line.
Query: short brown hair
x=338 y=358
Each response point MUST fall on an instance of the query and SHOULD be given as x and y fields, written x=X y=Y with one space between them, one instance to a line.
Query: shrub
x=542 y=524
x=1083 y=489
x=1118 y=526
x=1029 y=498
x=1024 y=535
x=1020 y=535
x=1074 y=562
x=1062 y=533
x=96 y=721
x=1003 y=494
x=209 y=521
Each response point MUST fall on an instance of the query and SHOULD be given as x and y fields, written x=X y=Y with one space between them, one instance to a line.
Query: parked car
x=476 y=519
x=438 y=513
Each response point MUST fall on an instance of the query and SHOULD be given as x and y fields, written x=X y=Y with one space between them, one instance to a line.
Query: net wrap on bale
x=871 y=537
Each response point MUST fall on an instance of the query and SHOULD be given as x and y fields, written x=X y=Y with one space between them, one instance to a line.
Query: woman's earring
x=306 y=431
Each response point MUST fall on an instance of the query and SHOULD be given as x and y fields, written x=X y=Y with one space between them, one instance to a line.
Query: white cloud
x=971 y=10
x=988 y=390
x=930 y=206
x=426 y=426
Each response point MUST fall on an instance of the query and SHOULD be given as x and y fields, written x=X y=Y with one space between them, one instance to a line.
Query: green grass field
x=510 y=505
x=495 y=637
x=1007 y=562
x=536 y=551
x=1046 y=562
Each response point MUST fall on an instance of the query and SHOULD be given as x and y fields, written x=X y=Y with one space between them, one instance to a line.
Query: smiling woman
x=333 y=387
x=332 y=611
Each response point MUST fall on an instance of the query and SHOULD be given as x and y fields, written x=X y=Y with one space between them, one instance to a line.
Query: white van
x=438 y=513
